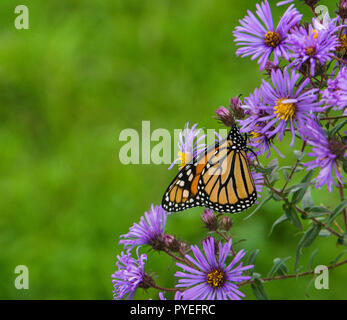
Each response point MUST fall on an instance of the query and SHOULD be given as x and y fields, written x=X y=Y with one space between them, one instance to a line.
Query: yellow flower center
x=315 y=34
x=216 y=278
x=343 y=43
x=310 y=51
x=256 y=134
x=284 y=110
x=272 y=39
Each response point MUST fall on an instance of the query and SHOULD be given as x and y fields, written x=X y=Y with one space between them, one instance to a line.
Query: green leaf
x=343 y=241
x=319 y=209
x=308 y=287
x=292 y=215
x=336 y=128
x=316 y=211
x=285 y=174
x=279 y=267
x=338 y=257
x=336 y=212
x=281 y=219
x=307 y=201
x=258 y=290
x=273 y=177
x=310 y=261
x=253 y=257
x=273 y=164
x=299 y=154
x=285 y=168
x=305 y=183
x=251 y=260
x=344 y=164
x=276 y=197
x=263 y=170
x=324 y=233
x=297 y=187
x=306 y=240
x=259 y=206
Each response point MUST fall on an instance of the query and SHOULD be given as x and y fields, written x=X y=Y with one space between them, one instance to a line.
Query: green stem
x=294 y=168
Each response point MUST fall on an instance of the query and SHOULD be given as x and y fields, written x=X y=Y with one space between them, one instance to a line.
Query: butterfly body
x=219 y=178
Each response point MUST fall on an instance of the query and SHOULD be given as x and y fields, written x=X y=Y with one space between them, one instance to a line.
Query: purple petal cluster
x=148 y=231
x=254 y=108
x=336 y=93
x=189 y=145
x=325 y=152
x=286 y=103
x=212 y=278
x=277 y=105
x=311 y=46
x=129 y=276
x=259 y=38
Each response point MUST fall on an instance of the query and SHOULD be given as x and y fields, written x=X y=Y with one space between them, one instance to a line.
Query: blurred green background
x=83 y=72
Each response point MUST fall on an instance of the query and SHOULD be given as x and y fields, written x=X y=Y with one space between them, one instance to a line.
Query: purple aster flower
x=336 y=93
x=261 y=142
x=285 y=104
x=260 y=38
x=189 y=145
x=213 y=278
x=149 y=231
x=326 y=152
x=311 y=46
x=129 y=276
x=255 y=109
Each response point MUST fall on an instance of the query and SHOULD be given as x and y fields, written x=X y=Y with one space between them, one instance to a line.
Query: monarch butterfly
x=218 y=178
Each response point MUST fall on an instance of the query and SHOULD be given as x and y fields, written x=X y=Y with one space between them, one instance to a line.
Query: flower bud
x=147 y=282
x=172 y=243
x=158 y=243
x=226 y=223
x=235 y=106
x=311 y=3
x=210 y=220
x=337 y=148
x=225 y=116
x=269 y=66
x=183 y=247
x=342 y=12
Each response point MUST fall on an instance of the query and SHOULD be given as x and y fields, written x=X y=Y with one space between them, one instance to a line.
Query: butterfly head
x=237 y=139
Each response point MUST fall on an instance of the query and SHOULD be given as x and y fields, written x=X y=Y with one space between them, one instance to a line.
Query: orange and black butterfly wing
x=226 y=184
x=219 y=178
x=183 y=191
